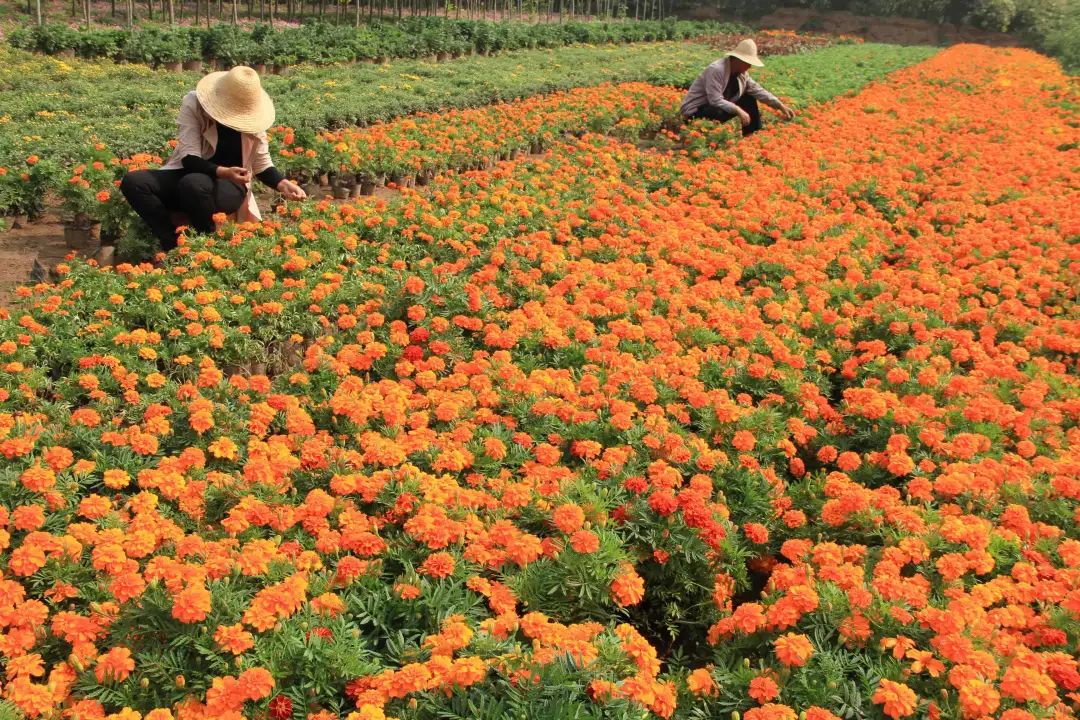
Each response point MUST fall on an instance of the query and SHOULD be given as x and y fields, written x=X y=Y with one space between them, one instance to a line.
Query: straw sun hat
x=747 y=52
x=235 y=98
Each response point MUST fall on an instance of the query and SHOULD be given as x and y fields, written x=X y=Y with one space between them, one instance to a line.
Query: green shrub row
x=323 y=44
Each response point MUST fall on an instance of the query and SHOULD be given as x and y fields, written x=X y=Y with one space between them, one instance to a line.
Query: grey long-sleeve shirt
x=708 y=89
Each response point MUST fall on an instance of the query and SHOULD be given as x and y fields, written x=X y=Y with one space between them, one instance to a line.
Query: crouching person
x=221 y=146
x=725 y=90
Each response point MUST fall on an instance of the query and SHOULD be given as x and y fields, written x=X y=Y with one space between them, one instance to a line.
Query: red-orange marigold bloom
x=256 y=683
x=897 y=700
x=763 y=689
x=191 y=604
x=585 y=542
x=115 y=665
x=628 y=588
x=568 y=518
x=438 y=565
x=793 y=649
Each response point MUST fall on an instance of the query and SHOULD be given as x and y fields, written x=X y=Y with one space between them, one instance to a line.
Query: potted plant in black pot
x=81 y=196
x=366 y=182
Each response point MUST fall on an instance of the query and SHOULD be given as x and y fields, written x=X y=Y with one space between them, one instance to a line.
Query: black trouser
x=156 y=194
x=746 y=102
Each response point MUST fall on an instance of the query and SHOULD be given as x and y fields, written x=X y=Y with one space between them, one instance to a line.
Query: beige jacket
x=708 y=89
x=197 y=135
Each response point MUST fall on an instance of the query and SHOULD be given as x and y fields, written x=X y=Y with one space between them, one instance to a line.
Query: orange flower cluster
x=459 y=139
x=787 y=429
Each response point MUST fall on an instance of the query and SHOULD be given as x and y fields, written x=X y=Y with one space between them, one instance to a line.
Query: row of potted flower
x=356 y=160
x=414 y=149
x=353 y=161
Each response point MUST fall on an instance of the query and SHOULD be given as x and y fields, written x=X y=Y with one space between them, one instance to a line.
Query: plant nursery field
x=74 y=149
x=644 y=423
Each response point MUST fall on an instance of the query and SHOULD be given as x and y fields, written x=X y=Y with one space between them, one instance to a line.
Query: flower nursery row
x=425 y=144
x=325 y=43
x=399 y=150
x=785 y=430
x=52 y=107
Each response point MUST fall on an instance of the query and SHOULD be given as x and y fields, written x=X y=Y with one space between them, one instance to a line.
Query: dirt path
x=40 y=241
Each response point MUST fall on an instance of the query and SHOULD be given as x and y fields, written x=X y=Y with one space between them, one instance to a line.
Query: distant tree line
x=206 y=12
x=1050 y=25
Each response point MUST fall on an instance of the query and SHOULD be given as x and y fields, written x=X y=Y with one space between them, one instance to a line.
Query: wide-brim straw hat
x=236 y=98
x=747 y=52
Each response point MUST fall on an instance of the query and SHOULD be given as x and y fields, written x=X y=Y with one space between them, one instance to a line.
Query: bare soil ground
x=41 y=241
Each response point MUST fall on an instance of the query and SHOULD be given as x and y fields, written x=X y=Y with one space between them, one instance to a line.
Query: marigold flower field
x=59 y=136
x=777 y=429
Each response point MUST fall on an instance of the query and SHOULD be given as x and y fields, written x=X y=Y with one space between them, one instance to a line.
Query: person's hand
x=744 y=117
x=291 y=190
x=238 y=175
x=787 y=113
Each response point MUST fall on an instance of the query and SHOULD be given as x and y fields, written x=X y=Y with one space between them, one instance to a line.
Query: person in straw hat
x=221 y=144
x=724 y=90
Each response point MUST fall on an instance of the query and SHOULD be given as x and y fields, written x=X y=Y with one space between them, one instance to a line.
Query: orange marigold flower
x=568 y=518
x=848 y=461
x=663 y=704
x=763 y=689
x=438 y=565
x=234 y=638
x=756 y=533
x=25 y=666
x=748 y=617
x=191 y=604
x=224 y=448
x=701 y=682
x=468 y=671
x=28 y=517
x=367 y=711
x=256 y=683
x=115 y=665
x=1025 y=684
x=407 y=591
x=628 y=588
x=770 y=711
x=38 y=479
x=743 y=441
x=33 y=699
x=897 y=700
x=116 y=479
x=793 y=649
x=978 y=699
x=585 y=542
